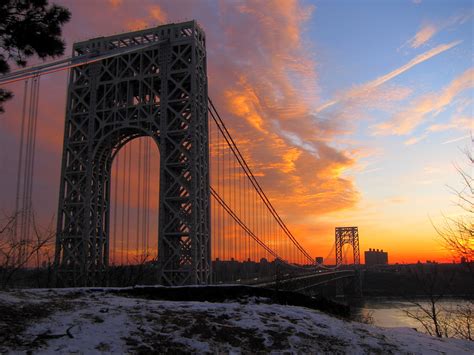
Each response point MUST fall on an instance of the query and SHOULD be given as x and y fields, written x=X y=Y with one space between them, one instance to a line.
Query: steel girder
x=160 y=92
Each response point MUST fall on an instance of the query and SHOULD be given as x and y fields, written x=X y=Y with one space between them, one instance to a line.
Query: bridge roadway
x=300 y=281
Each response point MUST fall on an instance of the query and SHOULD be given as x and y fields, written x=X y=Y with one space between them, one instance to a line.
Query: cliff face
x=91 y=321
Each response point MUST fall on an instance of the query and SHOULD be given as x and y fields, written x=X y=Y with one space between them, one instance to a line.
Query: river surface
x=390 y=312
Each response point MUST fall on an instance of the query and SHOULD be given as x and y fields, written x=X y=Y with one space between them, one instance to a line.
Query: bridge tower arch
x=158 y=90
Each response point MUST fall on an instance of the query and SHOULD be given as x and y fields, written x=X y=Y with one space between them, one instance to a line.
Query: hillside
x=102 y=320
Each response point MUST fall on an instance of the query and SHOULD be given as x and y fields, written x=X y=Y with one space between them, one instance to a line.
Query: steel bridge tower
x=157 y=91
x=347 y=235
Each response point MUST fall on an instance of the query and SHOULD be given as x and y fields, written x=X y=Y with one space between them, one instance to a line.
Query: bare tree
x=462 y=321
x=16 y=254
x=457 y=234
x=433 y=286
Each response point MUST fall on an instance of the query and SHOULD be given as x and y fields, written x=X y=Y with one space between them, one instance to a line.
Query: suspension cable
x=70 y=62
x=220 y=124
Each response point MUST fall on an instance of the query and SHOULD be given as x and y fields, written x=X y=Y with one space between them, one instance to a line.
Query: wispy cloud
x=428 y=30
x=456 y=139
x=415 y=61
x=415 y=140
x=423 y=36
x=407 y=120
x=459 y=123
x=367 y=87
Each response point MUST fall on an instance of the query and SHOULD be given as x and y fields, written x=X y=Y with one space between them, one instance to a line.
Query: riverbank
x=392 y=313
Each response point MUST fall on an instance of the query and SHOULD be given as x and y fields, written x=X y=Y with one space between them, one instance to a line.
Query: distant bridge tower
x=347 y=235
x=158 y=90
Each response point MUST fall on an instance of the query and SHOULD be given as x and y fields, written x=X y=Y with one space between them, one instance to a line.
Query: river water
x=390 y=312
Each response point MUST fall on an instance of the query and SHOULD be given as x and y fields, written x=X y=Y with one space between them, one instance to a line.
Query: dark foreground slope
x=141 y=321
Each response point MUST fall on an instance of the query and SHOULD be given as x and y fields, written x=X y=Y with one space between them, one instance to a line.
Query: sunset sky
x=350 y=112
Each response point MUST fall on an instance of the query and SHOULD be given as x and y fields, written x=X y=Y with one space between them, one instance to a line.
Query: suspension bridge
x=139 y=123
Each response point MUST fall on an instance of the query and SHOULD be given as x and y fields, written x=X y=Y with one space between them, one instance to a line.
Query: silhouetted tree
x=16 y=254
x=27 y=28
x=457 y=234
x=433 y=286
x=439 y=318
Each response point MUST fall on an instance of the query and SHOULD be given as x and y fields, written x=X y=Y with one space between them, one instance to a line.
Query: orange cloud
x=136 y=24
x=423 y=36
x=115 y=3
x=269 y=89
x=290 y=159
x=428 y=30
x=244 y=103
x=415 y=140
x=157 y=13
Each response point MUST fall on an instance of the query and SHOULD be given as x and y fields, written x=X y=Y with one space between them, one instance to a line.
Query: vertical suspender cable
x=25 y=214
x=128 y=201
x=235 y=207
x=147 y=194
x=116 y=204
x=29 y=166
x=19 y=176
x=139 y=201
x=224 y=188
x=219 y=191
x=33 y=153
x=122 y=229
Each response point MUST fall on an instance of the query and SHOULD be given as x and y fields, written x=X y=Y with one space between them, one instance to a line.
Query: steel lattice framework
x=347 y=235
x=158 y=91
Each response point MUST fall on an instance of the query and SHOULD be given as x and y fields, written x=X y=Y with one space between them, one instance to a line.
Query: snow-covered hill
x=86 y=321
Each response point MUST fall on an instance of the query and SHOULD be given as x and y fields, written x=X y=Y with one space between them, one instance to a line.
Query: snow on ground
x=96 y=321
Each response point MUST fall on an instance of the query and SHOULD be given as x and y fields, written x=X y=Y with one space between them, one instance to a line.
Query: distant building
x=319 y=260
x=376 y=257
